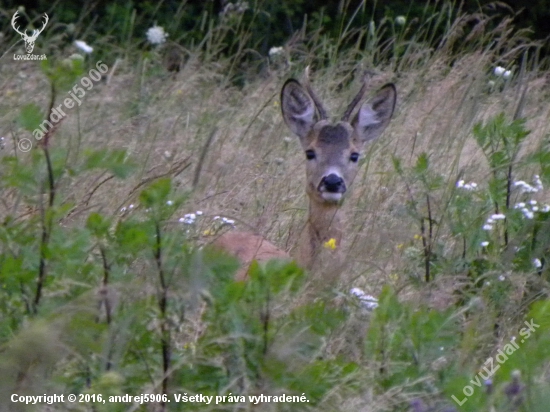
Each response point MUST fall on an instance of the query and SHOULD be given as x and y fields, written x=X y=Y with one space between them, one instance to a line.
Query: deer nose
x=333 y=184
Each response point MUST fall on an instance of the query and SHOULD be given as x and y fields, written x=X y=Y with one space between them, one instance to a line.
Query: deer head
x=333 y=149
x=29 y=40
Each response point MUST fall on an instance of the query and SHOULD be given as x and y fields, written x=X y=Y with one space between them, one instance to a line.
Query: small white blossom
x=199 y=212
x=275 y=51
x=499 y=71
x=498 y=216
x=532 y=202
x=83 y=46
x=400 y=20
x=519 y=205
x=169 y=203
x=535 y=208
x=527 y=213
x=287 y=139
x=484 y=244
x=156 y=35
x=368 y=302
x=460 y=183
x=487 y=227
x=501 y=278
x=188 y=218
x=537 y=263
x=216 y=218
x=507 y=74
x=545 y=208
x=131 y=206
x=123 y=209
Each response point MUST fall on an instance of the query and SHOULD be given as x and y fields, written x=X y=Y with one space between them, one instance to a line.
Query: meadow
x=109 y=286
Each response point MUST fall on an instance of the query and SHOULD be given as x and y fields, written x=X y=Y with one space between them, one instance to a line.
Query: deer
x=29 y=40
x=332 y=151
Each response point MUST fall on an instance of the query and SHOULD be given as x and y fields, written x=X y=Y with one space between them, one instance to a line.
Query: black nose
x=333 y=183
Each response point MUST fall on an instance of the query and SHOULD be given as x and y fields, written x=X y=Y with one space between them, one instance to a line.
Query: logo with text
x=29 y=40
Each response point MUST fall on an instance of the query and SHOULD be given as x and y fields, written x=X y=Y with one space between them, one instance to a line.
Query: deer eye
x=310 y=154
x=354 y=157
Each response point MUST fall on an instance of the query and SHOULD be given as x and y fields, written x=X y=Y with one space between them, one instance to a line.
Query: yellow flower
x=400 y=246
x=417 y=237
x=330 y=244
x=207 y=232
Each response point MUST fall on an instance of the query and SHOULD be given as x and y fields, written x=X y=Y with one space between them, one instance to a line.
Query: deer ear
x=298 y=109
x=374 y=115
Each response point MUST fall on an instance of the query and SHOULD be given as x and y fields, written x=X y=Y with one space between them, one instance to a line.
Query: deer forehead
x=333 y=138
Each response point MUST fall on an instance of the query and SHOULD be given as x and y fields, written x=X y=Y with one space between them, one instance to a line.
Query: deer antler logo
x=29 y=40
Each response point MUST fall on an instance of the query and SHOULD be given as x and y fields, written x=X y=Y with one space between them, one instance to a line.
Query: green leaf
x=157 y=193
x=30 y=117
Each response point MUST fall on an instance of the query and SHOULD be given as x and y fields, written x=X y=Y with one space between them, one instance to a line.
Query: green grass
x=130 y=294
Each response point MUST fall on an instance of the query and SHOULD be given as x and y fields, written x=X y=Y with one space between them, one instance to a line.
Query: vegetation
x=107 y=284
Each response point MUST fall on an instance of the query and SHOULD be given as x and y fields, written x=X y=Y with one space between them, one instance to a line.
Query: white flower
x=400 y=20
x=131 y=206
x=507 y=74
x=546 y=208
x=537 y=263
x=535 y=208
x=484 y=244
x=501 y=278
x=275 y=51
x=199 y=212
x=498 y=216
x=499 y=71
x=83 y=46
x=527 y=213
x=491 y=83
x=367 y=301
x=156 y=35
x=460 y=183
x=532 y=202
x=169 y=203
x=519 y=205
x=487 y=227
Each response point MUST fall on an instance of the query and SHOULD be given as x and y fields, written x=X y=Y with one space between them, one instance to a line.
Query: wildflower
x=275 y=51
x=499 y=71
x=287 y=139
x=519 y=205
x=484 y=244
x=545 y=208
x=487 y=227
x=188 y=219
x=156 y=35
x=228 y=221
x=507 y=74
x=169 y=203
x=537 y=263
x=83 y=46
x=400 y=20
x=491 y=83
x=207 y=232
x=501 y=278
x=460 y=183
x=131 y=206
x=198 y=212
x=498 y=216
x=330 y=244
x=532 y=202
x=123 y=209
x=367 y=301
x=527 y=213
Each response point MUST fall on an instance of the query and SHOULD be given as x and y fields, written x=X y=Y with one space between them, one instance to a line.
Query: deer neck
x=323 y=230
